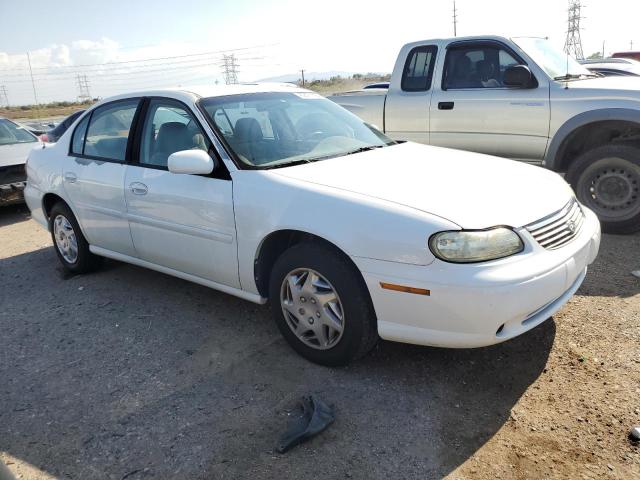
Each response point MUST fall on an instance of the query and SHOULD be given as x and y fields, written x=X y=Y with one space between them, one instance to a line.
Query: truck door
x=407 y=105
x=472 y=109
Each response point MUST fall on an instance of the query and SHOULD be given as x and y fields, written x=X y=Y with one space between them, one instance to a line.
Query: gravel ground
x=128 y=373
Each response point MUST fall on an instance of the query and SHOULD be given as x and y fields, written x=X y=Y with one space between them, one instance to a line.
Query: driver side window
x=169 y=128
x=481 y=66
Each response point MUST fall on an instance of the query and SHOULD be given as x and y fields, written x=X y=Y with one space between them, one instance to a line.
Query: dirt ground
x=131 y=374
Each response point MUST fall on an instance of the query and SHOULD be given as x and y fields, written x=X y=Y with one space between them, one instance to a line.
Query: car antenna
x=566 y=77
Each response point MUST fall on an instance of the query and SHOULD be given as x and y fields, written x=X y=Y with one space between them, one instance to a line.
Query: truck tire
x=607 y=180
x=69 y=243
x=321 y=305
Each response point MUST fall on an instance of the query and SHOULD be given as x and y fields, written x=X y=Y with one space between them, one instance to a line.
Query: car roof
x=204 y=91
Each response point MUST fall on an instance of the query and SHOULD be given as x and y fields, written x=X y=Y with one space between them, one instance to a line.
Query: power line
x=573 y=45
x=110 y=64
x=455 y=19
x=33 y=84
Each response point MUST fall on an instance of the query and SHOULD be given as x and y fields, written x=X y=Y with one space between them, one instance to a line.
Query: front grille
x=12 y=174
x=558 y=229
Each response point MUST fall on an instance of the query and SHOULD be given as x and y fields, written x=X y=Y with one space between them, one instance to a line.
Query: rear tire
x=321 y=305
x=607 y=180
x=69 y=243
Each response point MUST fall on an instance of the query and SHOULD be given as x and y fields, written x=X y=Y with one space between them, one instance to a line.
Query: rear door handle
x=445 y=106
x=138 y=188
x=70 y=177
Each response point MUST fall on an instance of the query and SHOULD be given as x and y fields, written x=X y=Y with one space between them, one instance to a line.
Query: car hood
x=631 y=84
x=16 y=153
x=472 y=190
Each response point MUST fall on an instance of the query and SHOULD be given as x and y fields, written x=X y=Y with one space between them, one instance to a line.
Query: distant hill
x=308 y=76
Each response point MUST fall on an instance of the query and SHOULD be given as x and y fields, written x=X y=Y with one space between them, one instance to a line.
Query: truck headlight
x=471 y=246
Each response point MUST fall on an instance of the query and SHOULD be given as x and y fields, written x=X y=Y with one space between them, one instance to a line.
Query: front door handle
x=445 y=106
x=70 y=177
x=138 y=188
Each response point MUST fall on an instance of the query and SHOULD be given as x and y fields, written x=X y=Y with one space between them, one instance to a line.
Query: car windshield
x=275 y=129
x=11 y=133
x=557 y=64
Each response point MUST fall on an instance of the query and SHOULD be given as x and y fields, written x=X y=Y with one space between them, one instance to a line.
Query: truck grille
x=558 y=229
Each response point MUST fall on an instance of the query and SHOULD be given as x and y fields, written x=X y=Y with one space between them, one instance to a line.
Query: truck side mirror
x=519 y=76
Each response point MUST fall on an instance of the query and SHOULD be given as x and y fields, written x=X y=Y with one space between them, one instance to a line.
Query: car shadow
x=610 y=275
x=128 y=373
x=11 y=214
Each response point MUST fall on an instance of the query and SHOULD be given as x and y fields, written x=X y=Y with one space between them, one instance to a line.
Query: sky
x=160 y=43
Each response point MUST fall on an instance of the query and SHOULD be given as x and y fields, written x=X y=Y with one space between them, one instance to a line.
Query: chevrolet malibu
x=273 y=193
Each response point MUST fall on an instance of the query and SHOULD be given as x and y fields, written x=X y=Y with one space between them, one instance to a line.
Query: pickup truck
x=522 y=99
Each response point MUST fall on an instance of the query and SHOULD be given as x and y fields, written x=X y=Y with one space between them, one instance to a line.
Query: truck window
x=476 y=66
x=418 y=69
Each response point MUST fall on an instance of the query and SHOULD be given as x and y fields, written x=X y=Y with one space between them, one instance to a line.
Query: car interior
x=482 y=67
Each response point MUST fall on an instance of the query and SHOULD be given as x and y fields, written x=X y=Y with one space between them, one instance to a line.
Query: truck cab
x=520 y=99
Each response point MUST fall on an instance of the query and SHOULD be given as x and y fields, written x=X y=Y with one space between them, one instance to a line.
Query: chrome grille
x=558 y=229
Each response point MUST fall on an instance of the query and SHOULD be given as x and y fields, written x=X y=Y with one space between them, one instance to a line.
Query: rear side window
x=77 y=143
x=108 y=131
x=418 y=69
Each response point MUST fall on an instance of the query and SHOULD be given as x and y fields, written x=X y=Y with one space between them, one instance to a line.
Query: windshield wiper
x=363 y=149
x=575 y=76
x=323 y=157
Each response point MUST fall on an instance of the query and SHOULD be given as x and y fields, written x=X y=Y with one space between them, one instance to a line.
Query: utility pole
x=573 y=44
x=603 y=49
x=631 y=45
x=455 y=19
x=230 y=69
x=33 y=84
x=4 y=99
x=302 y=72
x=83 y=88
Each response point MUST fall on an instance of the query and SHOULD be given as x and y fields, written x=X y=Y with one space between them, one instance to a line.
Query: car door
x=93 y=174
x=178 y=221
x=406 y=110
x=473 y=110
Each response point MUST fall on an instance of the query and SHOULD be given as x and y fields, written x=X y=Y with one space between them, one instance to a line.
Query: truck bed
x=366 y=104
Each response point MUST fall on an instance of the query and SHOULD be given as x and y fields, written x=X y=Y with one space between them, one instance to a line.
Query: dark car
x=634 y=55
x=54 y=134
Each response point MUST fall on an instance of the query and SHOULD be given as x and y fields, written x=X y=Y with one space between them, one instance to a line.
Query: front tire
x=321 y=305
x=607 y=180
x=69 y=243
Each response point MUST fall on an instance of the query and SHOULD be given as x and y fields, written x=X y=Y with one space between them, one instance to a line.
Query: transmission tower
x=229 y=69
x=83 y=88
x=573 y=45
x=4 y=99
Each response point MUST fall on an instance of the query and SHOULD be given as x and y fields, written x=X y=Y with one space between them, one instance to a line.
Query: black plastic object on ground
x=316 y=416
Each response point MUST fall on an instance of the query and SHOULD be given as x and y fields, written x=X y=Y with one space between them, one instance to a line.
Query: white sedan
x=273 y=193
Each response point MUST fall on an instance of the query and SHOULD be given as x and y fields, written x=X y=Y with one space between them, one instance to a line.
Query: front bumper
x=482 y=304
x=11 y=193
x=13 y=179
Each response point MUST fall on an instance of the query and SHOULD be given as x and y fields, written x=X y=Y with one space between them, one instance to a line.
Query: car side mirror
x=519 y=76
x=191 y=162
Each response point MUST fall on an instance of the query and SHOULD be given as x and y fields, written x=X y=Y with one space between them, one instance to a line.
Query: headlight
x=470 y=246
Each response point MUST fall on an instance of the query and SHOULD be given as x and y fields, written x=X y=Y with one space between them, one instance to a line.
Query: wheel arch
x=276 y=243
x=589 y=130
x=50 y=199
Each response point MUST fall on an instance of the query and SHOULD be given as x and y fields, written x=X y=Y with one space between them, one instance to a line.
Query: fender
x=555 y=151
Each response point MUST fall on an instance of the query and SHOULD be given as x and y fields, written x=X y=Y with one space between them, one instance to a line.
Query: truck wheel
x=321 y=305
x=69 y=242
x=607 y=180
